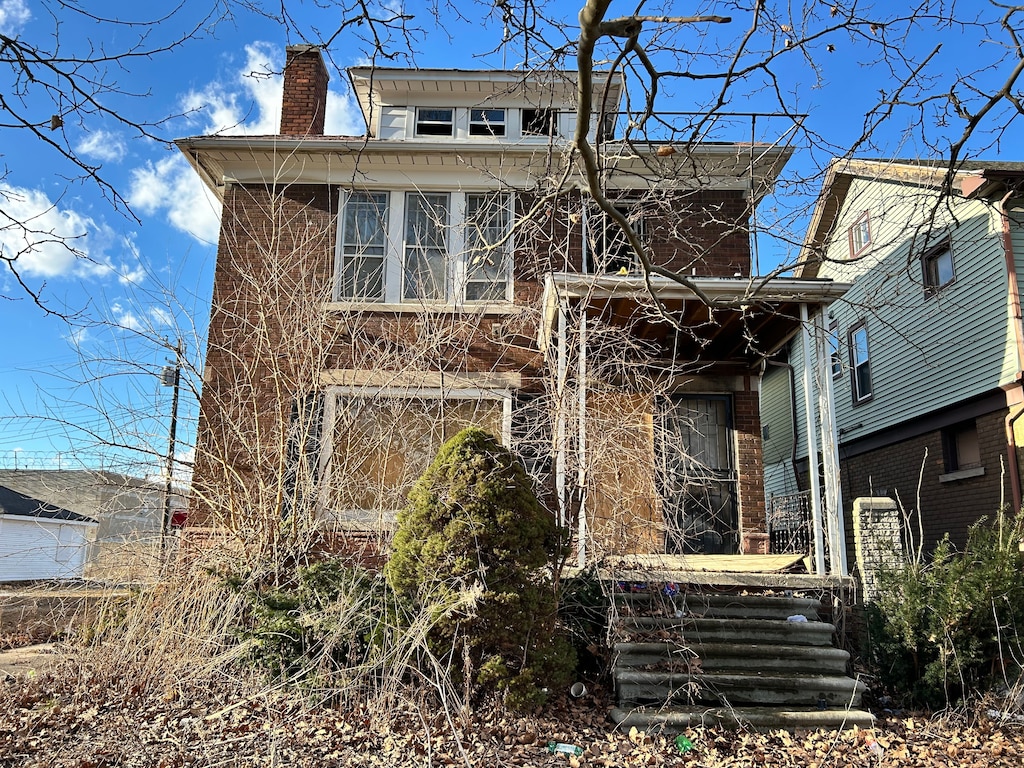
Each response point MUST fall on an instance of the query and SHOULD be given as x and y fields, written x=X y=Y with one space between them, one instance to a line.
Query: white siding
x=392 y=122
x=40 y=548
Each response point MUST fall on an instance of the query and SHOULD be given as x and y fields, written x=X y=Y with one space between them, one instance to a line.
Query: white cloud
x=13 y=15
x=104 y=146
x=171 y=185
x=48 y=240
x=250 y=103
x=152 y=319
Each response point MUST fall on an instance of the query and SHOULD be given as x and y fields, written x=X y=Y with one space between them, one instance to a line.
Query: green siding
x=927 y=351
x=776 y=415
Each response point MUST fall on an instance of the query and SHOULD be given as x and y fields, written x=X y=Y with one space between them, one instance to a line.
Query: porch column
x=830 y=451
x=561 y=419
x=812 y=443
x=581 y=476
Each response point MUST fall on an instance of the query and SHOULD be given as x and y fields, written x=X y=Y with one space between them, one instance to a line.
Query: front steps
x=765 y=661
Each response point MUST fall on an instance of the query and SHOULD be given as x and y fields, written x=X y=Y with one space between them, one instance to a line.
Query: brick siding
x=947 y=506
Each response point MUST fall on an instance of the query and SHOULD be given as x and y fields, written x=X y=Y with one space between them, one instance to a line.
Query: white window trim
x=433 y=136
x=855 y=250
x=486 y=124
x=394 y=257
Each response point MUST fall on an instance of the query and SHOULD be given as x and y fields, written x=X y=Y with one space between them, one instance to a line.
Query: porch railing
x=789 y=524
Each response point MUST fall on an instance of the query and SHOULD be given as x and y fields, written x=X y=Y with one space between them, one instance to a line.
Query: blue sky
x=131 y=285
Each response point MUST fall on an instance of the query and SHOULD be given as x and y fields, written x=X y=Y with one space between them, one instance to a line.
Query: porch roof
x=732 y=322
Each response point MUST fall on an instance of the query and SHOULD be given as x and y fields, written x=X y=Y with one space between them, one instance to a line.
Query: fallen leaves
x=55 y=722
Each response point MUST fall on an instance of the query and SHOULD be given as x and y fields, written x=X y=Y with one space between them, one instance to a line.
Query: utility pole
x=170 y=376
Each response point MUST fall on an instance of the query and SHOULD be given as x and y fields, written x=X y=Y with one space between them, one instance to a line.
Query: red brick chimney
x=305 y=92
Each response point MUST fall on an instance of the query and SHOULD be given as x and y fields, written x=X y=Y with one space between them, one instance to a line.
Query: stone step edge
x=675 y=680
x=690 y=622
x=670 y=720
x=718 y=600
x=671 y=649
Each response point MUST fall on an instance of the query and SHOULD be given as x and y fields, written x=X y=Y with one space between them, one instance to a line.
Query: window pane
x=363 y=246
x=939 y=268
x=861 y=363
x=426 y=246
x=487 y=122
x=539 y=122
x=487 y=223
x=434 y=122
x=363 y=279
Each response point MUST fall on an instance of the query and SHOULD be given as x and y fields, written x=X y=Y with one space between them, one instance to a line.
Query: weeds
x=947 y=626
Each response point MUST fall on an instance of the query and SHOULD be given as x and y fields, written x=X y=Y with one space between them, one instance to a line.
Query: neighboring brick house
x=927 y=344
x=374 y=294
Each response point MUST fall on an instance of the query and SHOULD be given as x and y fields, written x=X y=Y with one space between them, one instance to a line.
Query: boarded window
x=382 y=445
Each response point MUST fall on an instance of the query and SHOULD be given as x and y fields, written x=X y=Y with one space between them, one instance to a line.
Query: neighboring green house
x=927 y=348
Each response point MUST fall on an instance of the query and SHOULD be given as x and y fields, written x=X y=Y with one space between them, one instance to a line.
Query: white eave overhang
x=221 y=160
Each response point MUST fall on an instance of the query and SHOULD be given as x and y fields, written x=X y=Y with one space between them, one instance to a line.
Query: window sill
x=502 y=308
x=961 y=474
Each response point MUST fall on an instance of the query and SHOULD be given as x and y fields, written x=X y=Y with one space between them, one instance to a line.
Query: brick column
x=304 y=101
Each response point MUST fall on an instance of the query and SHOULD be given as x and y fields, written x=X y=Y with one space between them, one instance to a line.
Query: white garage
x=40 y=541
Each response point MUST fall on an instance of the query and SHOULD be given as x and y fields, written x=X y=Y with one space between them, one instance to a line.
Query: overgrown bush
x=475 y=543
x=948 y=625
x=322 y=622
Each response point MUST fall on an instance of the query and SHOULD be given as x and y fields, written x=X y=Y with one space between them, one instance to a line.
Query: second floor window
x=364 y=227
x=860 y=363
x=425 y=265
x=937 y=267
x=424 y=247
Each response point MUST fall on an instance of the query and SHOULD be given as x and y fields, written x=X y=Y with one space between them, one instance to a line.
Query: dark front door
x=698 y=479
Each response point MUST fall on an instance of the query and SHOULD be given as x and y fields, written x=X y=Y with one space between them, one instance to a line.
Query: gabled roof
x=972 y=178
x=20 y=505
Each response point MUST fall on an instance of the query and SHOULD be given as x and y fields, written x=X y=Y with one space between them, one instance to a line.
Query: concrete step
x=749 y=657
x=675 y=719
x=687 y=630
x=717 y=606
x=769 y=689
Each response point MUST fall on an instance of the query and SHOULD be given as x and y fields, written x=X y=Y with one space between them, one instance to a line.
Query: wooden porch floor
x=761 y=571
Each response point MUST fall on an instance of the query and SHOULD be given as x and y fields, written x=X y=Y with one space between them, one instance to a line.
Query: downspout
x=1018 y=332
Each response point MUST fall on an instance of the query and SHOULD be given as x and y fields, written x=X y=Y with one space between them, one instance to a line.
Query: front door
x=698 y=479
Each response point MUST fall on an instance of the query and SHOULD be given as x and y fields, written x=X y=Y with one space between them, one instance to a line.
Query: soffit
x=720 y=325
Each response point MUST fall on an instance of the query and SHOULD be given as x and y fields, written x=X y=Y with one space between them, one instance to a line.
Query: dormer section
x=474 y=105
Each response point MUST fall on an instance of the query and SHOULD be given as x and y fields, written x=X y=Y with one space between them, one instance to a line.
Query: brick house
x=927 y=346
x=374 y=294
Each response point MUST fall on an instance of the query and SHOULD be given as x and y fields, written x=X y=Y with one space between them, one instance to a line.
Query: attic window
x=434 y=122
x=860 y=235
x=487 y=122
x=540 y=122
